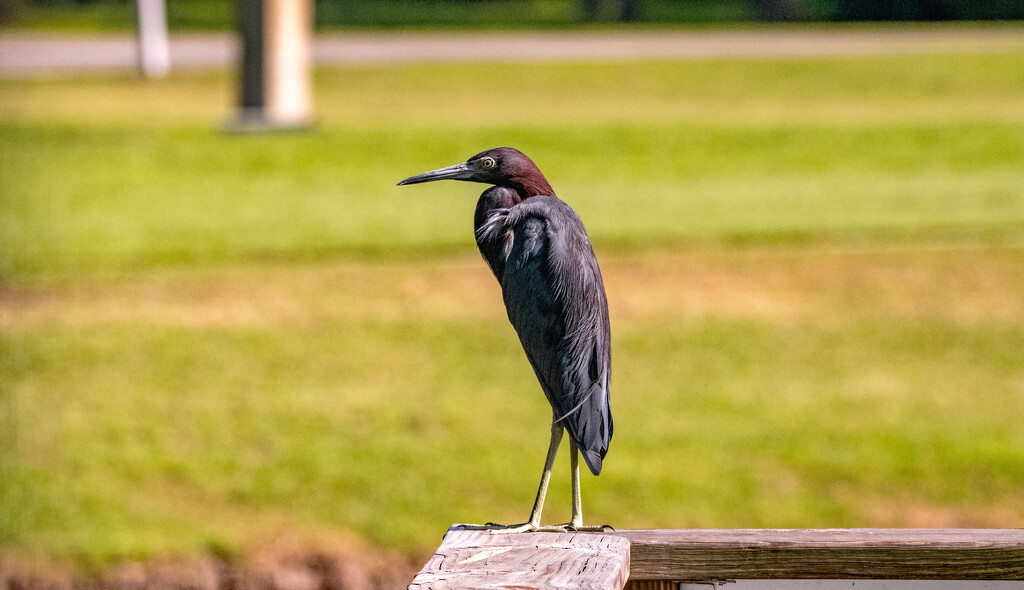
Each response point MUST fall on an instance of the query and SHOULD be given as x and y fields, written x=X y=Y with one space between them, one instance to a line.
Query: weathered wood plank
x=478 y=559
x=651 y=585
x=922 y=554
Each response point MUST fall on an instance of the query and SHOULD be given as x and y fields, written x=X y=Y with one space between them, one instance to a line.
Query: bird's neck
x=496 y=197
x=505 y=197
x=510 y=194
x=532 y=186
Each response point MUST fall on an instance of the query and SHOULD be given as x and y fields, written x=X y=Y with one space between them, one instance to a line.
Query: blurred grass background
x=815 y=268
x=205 y=15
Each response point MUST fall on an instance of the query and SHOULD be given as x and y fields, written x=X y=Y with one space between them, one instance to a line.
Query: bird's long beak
x=457 y=172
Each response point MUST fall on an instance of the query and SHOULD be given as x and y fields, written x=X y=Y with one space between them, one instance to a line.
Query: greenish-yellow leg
x=542 y=491
x=576 y=524
x=577 y=499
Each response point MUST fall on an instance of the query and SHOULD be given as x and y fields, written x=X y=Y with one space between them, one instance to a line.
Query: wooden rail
x=478 y=560
x=656 y=559
x=887 y=554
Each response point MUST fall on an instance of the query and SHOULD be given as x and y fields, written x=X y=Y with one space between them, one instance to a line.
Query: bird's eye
x=488 y=162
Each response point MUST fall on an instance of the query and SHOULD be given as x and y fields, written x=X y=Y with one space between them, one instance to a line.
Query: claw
x=529 y=527
x=592 y=529
x=511 y=529
x=501 y=529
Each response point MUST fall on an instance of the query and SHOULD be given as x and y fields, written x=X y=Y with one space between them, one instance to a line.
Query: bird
x=539 y=251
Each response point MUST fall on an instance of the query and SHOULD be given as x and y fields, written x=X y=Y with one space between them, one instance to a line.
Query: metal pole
x=154 y=47
x=250 y=98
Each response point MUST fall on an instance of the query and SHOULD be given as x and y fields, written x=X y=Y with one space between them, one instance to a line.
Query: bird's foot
x=504 y=529
x=579 y=528
x=511 y=529
x=530 y=527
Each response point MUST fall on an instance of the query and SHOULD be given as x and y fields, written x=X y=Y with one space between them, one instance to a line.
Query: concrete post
x=154 y=47
x=276 y=83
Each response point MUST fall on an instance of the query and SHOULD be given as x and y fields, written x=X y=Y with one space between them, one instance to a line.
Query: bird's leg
x=538 y=505
x=542 y=490
x=577 y=499
x=545 y=478
x=576 y=524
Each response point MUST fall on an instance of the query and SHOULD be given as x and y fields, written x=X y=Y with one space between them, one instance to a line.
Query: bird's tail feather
x=591 y=429
x=593 y=460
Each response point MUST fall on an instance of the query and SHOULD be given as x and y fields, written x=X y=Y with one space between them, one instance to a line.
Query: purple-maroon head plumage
x=503 y=166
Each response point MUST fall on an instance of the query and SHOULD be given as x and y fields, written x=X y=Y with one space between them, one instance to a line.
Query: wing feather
x=555 y=298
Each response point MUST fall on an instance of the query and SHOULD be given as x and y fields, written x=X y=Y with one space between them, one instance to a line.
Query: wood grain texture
x=923 y=554
x=478 y=559
x=652 y=585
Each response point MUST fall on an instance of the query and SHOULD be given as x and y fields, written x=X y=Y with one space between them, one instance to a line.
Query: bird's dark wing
x=555 y=298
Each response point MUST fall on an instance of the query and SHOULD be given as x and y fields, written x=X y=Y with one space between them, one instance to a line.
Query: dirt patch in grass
x=904 y=512
x=786 y=283
x=916 y=515
x=282 y=565
x=963 y=285
x=342 y=291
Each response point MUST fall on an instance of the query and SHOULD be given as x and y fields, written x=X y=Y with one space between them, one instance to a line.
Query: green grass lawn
x=815 y=269
x=192 y=15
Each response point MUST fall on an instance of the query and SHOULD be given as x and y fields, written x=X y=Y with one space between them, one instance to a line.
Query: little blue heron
x=538 y=249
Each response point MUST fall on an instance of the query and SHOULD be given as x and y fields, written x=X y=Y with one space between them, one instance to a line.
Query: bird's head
x=502 y=166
